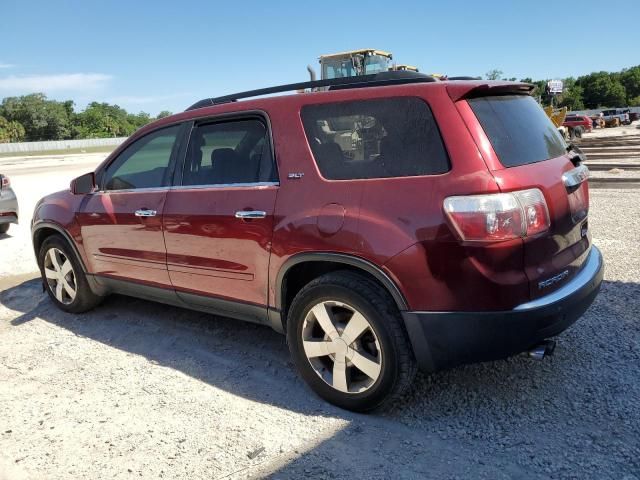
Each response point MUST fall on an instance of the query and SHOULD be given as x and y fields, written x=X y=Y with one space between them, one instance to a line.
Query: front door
x=121 y=224
x=219 y=222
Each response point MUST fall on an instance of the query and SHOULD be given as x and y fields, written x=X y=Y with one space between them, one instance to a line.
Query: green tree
x=602 y=89
x=571 y=97
x=10 y=131
x=101 y=120
x=494 y=74
x=138 y=120
x=164 y=113
x=41 y=118
x=630 y=79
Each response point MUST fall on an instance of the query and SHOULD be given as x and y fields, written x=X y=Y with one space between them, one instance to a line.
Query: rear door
x=218 y=220
x=121 y=224
x=523 y=149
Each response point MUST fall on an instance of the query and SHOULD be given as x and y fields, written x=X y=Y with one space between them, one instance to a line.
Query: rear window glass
x=518 y=129
x=395 y=137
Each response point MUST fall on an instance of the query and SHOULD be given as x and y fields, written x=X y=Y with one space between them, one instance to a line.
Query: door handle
x=244 y=214
x=145 y=212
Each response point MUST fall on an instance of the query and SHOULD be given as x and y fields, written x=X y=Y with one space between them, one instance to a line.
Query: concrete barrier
x=62 y=145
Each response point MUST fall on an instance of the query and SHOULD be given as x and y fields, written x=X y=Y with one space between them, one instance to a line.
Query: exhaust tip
x=543 y=349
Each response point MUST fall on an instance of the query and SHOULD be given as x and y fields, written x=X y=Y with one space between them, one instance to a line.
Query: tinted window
x=229 y=153
x=395 y=137
x=144 y=163
x=518 y=129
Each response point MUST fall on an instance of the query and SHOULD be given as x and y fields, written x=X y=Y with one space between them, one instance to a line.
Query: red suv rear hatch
x=524 y=150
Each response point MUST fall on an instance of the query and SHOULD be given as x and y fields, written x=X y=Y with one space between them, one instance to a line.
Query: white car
x=8 y=205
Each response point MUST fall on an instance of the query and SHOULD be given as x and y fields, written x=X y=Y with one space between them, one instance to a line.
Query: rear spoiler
x=466 y=89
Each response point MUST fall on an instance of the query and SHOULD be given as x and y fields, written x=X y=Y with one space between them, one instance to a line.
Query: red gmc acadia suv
x=383 y=223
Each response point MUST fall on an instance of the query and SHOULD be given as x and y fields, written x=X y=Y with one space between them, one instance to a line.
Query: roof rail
x=377 y=79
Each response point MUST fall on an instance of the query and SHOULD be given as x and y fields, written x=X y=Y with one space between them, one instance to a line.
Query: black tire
x=4 y=228
x=84 y=299
x=398 y=365
x=577 y=132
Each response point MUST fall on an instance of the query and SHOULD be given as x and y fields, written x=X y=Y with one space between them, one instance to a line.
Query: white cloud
x=6 y=65
x=52 y=83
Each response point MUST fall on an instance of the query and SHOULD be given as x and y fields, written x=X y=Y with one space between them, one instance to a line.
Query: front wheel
x=348 y=342
x=4 y=228
x=64 y=278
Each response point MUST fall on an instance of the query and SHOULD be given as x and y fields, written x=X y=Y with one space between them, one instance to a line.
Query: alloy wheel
x=342 y=347
x=60 y=276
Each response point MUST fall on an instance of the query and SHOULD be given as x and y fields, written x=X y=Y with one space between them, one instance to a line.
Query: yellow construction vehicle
x=557 y=115
x=410 y=68
x=354 y=63
x=403 y=68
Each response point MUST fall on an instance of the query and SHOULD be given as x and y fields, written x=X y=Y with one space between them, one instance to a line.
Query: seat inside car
x=229 y=167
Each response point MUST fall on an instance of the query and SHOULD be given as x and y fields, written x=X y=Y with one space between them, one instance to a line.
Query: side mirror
x=1 y=181
x=83 y=184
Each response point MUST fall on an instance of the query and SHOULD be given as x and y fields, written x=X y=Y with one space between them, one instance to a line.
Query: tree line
x=593 y=91
x=34 y=117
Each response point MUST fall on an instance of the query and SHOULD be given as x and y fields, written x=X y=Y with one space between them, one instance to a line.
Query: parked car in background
x=615 y=117
x=8 y=205
x=409 y=224
x=579 y=124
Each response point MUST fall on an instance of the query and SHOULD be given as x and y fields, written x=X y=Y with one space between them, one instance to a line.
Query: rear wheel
x=347 y=340
x=64 y=278
x=577 y=132
x=4 y=228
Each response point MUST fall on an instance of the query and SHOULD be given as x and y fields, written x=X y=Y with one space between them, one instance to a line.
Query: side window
x=144 y=163
x=394 y=137
x=229 y=153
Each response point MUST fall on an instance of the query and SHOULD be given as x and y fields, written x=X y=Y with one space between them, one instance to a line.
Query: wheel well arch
x=42 y=231
x=301 y=269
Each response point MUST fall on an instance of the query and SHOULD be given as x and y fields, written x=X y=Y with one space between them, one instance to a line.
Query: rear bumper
x=8 y=218
x=445 y=339
x=8 y=207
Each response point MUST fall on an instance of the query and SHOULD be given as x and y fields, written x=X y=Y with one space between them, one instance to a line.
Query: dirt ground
x=615 y=131
x=136 y=389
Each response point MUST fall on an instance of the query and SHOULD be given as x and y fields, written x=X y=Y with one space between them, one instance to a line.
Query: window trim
x=369 y=99
x=170 y=167
x=225 y=118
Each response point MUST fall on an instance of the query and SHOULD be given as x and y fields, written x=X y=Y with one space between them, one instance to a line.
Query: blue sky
x=159 y=54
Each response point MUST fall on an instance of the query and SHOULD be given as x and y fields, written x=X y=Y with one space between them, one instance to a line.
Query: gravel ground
x=615 y=131
x=31 y=179
x=136 y=389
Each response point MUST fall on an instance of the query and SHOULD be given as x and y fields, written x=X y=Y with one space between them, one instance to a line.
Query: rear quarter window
x=382 y=138
x=518 y=129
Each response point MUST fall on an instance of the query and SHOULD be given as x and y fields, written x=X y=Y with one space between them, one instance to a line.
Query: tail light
x=498 y=216
x=5 y=181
